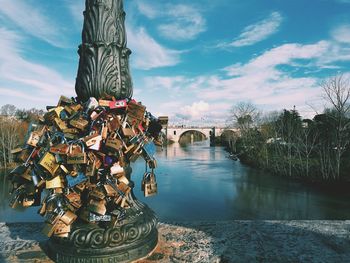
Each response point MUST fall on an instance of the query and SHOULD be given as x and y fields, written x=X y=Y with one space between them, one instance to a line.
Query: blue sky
x=192 y=60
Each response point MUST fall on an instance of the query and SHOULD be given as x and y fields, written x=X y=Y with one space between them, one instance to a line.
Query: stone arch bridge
x=175 y=133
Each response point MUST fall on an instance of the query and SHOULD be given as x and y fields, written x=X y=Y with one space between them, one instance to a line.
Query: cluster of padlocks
x=79 y=155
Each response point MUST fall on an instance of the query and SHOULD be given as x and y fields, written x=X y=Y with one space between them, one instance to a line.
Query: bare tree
x=244 y=115
x=337 y=93
x=9 y=134
x=307 y=143
x=8 y=110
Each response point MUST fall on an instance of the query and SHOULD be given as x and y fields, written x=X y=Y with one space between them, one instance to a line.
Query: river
x=198 y=182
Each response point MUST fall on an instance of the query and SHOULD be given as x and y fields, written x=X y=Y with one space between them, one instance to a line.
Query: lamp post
x=104 y=70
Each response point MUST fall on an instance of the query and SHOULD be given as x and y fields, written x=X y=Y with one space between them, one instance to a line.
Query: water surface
x=199 y=182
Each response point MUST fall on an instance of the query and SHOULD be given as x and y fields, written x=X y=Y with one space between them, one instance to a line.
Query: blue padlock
x=149 y=150
x=73 y=181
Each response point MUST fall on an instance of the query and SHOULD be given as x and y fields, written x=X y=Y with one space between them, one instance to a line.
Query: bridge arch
x=194 y=135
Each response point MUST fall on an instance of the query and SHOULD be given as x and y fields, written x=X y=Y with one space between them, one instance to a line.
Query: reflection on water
x=198 y=182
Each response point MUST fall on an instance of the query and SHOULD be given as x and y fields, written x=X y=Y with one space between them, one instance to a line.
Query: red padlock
x=118 y=104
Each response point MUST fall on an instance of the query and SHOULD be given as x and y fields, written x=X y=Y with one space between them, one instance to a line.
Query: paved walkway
x=234 y=241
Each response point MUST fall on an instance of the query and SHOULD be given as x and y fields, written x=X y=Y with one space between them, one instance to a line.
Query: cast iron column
x=104 y=70
x=104 y=57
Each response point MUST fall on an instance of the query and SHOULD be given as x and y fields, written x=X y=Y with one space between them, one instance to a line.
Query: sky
x=191 y=60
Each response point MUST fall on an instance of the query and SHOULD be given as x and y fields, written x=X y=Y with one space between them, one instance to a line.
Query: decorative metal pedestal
x=104 y=70
x=135 y=238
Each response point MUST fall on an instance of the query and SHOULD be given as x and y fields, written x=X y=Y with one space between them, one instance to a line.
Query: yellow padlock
x=48 y=161
x=54 y=183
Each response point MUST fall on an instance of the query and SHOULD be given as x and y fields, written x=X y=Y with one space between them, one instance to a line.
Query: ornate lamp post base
x=134 y=238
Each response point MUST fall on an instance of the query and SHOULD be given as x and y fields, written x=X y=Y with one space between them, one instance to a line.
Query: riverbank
x=227 y=241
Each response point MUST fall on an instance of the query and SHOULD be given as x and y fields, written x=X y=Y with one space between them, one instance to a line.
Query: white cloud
x=179 y=22
x=186 y=23
x=28 y=80
x=147 y=10
x=342 y=34
x=147 y=52
x=196 y=110
x=33 y=21
x=281 y=55
x=257 y=32
x=262 y=80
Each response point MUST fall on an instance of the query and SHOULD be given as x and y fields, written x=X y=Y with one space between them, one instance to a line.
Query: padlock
x=128 y=132
x=91 y=169
x=122 y=179
x=35 y=178
x=74 y=199
x=69 y=110
x=34 y=138
x=75 y=181
x=118 y=104
x=145 y=178
x=57 y=190
x=80 y=123
x=104 y=103
x=121 y=159
x=48 y=162
x=59 y=159
x=70 y=131
x=77 y=157
x=16 y=151
x=80 y=187
x=61 y=230
x=123 y=191
x=99 y=218
x=135 y=113
x=97 y=194
x=54 y=183
x=50 y=116
x=94 y=159
x=110 y=190
x=149 y=150
x=68 y=217
x=113 y=143
x=114 y=124
x=64 y=101
x=97 y=207
x=64 y=116
x=151 y=188
x=95 y=114
x=93 y=142
x=116 y=169
x=28 y=202
x=104 y=131
x=24 y=155
x=62 y=125
x=152 y=163
x=39 y=171
x=91 y=104
x=71 y=136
